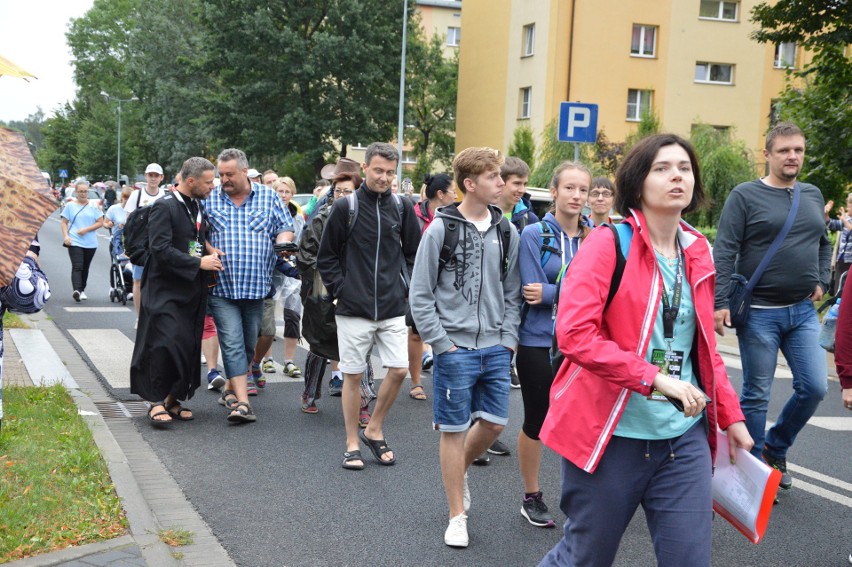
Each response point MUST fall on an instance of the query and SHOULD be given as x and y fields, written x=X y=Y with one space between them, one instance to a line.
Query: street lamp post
x=118 y=158
x=401 y=124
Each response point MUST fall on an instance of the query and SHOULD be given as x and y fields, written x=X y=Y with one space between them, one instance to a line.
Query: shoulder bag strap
x=776 y=244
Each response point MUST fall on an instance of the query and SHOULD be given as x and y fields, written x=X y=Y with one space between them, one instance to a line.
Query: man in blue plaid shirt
x=246 y=220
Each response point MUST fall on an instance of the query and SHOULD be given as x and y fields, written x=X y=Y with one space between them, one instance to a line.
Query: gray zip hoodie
x=467 y=304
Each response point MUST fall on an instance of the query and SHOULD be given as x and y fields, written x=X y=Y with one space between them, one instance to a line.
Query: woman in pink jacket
x=613 y=414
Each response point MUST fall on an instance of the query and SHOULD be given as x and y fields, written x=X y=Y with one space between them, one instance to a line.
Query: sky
x=33 y=37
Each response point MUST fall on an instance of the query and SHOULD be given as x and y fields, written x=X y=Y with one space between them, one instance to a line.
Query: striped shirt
x=246 y=235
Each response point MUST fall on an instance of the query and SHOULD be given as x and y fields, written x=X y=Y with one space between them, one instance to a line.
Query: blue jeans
x=238 y=325
x=471 y=384
x=671 y=479
x=795 y=331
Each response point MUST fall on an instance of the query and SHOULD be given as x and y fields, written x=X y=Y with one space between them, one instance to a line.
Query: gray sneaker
x=535 y=511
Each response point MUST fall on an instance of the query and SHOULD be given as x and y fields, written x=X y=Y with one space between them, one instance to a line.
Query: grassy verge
x=12 y=321
x=54 y=486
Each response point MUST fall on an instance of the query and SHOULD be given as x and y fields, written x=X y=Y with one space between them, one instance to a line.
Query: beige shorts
x=355 y=338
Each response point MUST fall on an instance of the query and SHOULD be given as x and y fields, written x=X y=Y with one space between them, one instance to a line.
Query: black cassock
x=167 y=354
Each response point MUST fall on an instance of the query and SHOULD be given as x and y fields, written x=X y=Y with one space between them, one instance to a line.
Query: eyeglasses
x=598 y=194
x=340 y=192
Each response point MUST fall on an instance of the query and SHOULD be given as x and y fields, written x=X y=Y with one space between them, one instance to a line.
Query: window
x=719 y=10
x=453 y=36
x=644 y=41
x=638 y=103
x=529 y=40
x=785 y=56
x=526 y=102
x=721 y=73
x=408 y=157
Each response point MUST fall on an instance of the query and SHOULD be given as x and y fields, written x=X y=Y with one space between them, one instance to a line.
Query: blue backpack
x=623 y=234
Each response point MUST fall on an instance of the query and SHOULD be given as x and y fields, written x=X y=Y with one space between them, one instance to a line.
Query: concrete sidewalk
x=151 y=499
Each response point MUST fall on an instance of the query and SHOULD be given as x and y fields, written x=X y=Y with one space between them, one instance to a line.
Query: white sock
x=288 y=360
x=337 y=374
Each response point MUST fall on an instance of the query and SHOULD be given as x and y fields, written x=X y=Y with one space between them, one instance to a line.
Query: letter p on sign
x=578 y=122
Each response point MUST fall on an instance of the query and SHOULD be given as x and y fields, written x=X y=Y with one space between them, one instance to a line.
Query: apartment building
x=688 y=60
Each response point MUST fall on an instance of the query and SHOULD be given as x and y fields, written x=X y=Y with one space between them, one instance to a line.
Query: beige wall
x=435 y=21
x=482 y=100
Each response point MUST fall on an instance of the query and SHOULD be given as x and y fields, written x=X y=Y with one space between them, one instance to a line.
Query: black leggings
x=536 y=377
x=81 y=259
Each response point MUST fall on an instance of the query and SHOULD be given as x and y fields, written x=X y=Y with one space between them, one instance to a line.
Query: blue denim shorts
x=471 y=384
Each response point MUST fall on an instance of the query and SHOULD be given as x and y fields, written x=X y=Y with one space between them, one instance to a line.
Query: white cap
x=154 y=168
x=252 y=173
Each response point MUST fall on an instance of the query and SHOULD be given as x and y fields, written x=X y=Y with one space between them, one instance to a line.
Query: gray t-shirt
x=751 y=219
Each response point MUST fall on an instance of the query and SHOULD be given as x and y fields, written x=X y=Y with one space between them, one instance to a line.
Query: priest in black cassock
x=166 y=365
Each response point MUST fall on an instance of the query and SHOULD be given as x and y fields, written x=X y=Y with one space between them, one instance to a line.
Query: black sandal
x=178 y=413
x=378 y=447
x=152 y=417
x=225 y=401
x=349 y=457
x=241 y=412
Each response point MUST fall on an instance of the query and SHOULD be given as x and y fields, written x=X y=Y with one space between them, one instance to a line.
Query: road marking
x=110 y=351
x=780 y=371
x=832 y=423
x=820 y=477
x=43 y=364
x=820 y=491
x=97 y=309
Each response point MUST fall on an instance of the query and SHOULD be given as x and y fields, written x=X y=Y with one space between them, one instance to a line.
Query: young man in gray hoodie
x=469 y=311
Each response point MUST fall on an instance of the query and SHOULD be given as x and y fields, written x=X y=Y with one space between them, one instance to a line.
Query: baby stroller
x=120 y=271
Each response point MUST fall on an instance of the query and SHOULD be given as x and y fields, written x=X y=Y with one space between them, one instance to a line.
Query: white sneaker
x=456 y=534
x=136 y=323
x=129 y=296
x=203 y=359
x=83 y=296
x=466 y=494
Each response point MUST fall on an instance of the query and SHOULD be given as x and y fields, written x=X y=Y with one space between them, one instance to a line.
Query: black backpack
x=622 y=249
x=451 y=240
x=136 y=234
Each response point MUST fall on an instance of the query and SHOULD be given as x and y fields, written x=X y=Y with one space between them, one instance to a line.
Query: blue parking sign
x=578 y=122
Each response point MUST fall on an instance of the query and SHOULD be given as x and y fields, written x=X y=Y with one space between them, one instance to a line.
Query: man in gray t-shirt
x=782 y=314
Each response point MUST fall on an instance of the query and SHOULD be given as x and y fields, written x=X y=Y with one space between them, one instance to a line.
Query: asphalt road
x=274 y=492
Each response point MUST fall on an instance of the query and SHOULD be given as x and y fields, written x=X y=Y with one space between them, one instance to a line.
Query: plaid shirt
x=246 y=235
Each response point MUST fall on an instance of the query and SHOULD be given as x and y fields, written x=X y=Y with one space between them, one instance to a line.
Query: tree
x=168 y=76
x=431 y=87
x=100 y=45
x=649 y=124
x=304 y=76
x=60 y=132
x=551 y=153
x=724 y=163
x=822 y=107
x=523 y=145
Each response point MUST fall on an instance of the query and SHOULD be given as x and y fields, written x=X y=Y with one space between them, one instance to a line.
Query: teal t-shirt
x=653 y=419
x=82 y=216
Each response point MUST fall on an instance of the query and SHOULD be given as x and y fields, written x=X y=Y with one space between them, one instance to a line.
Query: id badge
x=670 y=363
x=195 y=248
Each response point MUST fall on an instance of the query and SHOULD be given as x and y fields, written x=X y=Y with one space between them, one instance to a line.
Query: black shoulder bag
x=740 y=289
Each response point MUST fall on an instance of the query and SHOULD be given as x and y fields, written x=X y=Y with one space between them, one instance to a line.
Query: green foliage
x=551 y=152
x=54 y=485
x=301 y=75
x=30 y=127
x=724 y=163
x=431 y=87
x=823 y=107
x=649 y=124
x=12 y=321
x=61 y=133
x=300 y=168
x=523 y=145
x=708 y=231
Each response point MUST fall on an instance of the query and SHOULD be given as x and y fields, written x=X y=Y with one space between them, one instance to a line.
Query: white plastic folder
x=744 y=493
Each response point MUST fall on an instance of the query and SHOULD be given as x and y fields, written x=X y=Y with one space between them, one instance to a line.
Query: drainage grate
x=121 y=410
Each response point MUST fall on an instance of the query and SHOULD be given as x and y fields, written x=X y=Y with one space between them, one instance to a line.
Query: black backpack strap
x=620 y=262
x=352 y=202
x=505 y=228
x=451 y=240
